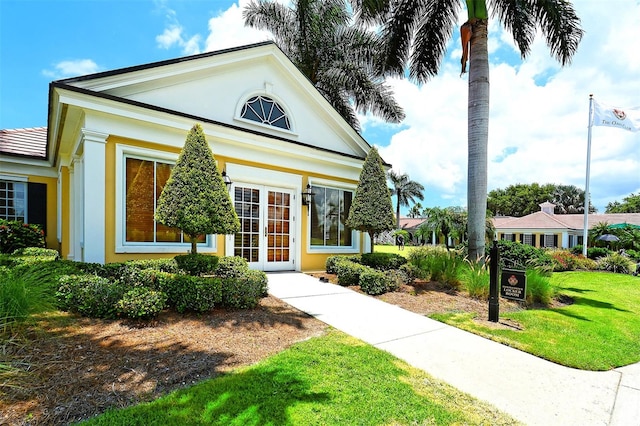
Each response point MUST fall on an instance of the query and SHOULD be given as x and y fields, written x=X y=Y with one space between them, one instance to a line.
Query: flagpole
x=585 y=231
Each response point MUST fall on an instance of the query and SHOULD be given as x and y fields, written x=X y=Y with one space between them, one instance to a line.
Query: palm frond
x=560 y=27
x=517 y=18
x=434 y=31
x=398 y=31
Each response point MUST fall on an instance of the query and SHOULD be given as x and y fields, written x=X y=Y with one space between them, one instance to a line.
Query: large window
x=13 y=200
x=329 y=211
x=145 y=180
x=266 y=111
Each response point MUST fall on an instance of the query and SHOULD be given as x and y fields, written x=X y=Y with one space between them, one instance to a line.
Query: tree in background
x=442 y=221
x=371 y=209
x=415 y=211
x=335 y=55
x=405 y=190
x=522 y=199
x=417 y=31
x=630 y=204
x=195 y=198
x=569 y=199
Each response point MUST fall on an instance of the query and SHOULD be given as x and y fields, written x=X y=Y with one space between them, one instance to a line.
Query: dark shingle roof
x=30 y=142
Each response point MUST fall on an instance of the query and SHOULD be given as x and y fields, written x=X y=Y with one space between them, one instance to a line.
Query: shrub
x=349 y=272
x=383 y=261
x=244 y=291
x=476 y=280
x=90 y=295
x=408 y=273
x=39 y=253
x=231 y=266
x=197 y=264
x=196 y=294
x=539 y=288
x=141 y=303
x=332 y=261
x=374 y=282
x=616 y=262
x=514 y=254
x=564 y=260
x=15 y=235
x=596 y=253
x=165 y=265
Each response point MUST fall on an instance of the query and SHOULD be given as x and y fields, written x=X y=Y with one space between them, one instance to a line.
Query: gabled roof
x=173 y=88
x=30 y=142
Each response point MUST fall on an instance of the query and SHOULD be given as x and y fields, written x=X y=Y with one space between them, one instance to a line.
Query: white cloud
x=174 y=33
x=71 y=68
x=228 y=29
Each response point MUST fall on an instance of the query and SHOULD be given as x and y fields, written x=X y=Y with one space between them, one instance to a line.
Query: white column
x=94 y=192
x=565 y=240
x=72 y=212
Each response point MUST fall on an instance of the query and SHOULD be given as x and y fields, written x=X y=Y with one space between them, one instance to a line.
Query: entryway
x=267 y=226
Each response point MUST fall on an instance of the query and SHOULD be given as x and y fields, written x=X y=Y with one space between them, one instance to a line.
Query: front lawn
x=600 y=330
x=330 y=380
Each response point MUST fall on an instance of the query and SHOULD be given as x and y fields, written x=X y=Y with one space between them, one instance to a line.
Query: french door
x=266 y=238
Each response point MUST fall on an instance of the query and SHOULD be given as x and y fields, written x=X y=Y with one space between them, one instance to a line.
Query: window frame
x=122 y=245
x=23 y=181
x=282 y=105
x=355 y=235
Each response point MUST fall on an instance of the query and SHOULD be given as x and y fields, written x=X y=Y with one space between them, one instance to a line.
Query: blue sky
x=539 y=111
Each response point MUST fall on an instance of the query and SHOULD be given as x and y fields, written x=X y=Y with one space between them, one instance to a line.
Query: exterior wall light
x=227 y=179
x=307 y=196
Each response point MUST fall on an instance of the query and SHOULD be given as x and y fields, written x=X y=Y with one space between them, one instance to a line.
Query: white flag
x=622 y=118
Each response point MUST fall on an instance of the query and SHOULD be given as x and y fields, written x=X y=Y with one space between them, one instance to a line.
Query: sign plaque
x=513 y=284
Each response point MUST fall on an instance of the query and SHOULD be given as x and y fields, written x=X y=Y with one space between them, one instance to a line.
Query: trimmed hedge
x=375 y=282
x=89 y=295
x=197 y=264
x=349 y=272
x=245 y=290
x=332 y=262
x=231 y=266
x=141 y=303
x=383 y=261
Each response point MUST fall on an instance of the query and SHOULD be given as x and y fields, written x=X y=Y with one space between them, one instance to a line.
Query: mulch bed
x=78 y=367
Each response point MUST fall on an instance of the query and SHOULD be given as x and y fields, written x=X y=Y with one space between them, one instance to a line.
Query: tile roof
x=30 y=142
x=541 y=220
x=411 y=222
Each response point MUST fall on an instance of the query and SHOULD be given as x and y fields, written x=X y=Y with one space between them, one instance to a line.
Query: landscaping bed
x=77 y=367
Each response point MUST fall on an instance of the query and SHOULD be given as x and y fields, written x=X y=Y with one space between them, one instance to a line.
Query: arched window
x=266 y=111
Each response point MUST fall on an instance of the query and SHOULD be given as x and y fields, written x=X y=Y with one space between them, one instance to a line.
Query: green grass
x=330 y=380
x=599 y=331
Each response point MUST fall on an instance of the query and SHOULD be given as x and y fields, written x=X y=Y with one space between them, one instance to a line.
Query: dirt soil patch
x=76 y=368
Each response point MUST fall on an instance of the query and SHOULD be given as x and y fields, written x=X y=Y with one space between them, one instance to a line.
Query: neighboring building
x=93 y=176
x=546 y=229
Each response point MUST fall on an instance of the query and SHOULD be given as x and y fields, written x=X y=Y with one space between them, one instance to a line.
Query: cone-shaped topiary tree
x=195 y=198
x=371 y=210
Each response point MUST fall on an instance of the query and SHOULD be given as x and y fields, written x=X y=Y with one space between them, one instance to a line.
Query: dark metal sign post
x=494 y=301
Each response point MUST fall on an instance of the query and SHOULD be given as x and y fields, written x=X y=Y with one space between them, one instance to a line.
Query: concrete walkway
x=534 y=391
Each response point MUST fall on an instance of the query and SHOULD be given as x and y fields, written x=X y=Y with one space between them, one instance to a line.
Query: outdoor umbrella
x=608 y=237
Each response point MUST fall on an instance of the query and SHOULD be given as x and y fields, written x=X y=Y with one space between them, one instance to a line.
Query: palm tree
x=405 y=190
x=337 y=56
x=415 y=211
x=417 y=31
x=442 y=221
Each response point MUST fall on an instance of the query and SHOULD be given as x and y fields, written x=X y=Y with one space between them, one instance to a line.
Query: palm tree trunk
x=478 y=137
x=398 y=210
